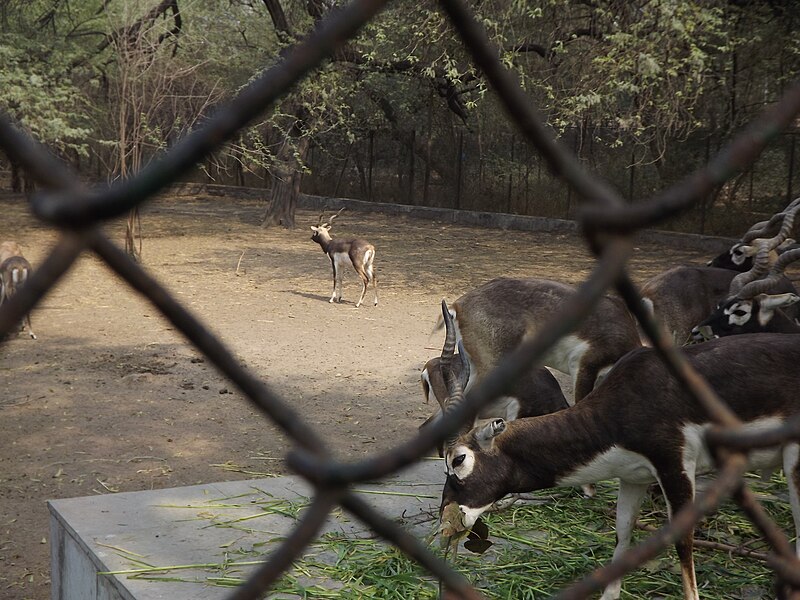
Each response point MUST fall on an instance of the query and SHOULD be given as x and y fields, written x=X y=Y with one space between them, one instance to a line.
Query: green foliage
x=647 y=74
x=39 y=92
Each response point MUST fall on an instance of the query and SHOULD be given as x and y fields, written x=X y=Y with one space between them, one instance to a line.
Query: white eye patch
x=739 y=312
x=461 y=468
x=737 y=256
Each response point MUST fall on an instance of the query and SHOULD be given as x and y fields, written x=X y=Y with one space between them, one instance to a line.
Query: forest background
x=643 y=91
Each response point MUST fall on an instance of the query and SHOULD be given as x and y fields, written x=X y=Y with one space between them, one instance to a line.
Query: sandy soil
x=110 y=398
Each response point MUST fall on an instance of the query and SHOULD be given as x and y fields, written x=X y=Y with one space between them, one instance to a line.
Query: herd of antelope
x=628 y=418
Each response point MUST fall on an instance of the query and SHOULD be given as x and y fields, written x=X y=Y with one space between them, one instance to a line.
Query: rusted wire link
x=255 y=389
x=750 y=440
x=284 y=417
x=67 y=209
x=675 y=360
x=773 y=534
x=521 y=111
x=737 y=156
x=292 y=547
x=496 y=383
x=392 y=532
x=604 y=216
x=785 y=569
x=683 y=522
x=58 y=261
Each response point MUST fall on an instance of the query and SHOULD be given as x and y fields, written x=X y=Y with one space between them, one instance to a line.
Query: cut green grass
x=539 y=549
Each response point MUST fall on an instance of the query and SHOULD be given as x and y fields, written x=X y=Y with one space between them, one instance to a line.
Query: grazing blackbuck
x=536 y=393
x=493 y=319
x=757 y=303
x=638 y=426
x=14 y=272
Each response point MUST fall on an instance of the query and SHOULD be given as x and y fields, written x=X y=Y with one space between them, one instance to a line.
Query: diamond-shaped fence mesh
x=607 y=221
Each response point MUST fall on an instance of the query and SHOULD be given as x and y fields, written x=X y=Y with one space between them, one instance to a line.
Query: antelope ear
x=769 y=303
x=488 y=432
x=773 y=301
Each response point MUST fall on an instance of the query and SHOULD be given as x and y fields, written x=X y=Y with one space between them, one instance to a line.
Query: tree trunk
x=286 y=179
x=133 y=224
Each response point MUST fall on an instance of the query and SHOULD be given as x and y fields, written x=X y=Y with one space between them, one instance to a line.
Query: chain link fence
x=607 y=219
x=462 y=169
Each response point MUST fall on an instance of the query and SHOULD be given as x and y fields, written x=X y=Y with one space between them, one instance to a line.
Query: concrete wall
x=711 y=244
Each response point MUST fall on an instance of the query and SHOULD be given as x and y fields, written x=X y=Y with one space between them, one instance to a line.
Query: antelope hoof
x=330 y=301
x=33 y=335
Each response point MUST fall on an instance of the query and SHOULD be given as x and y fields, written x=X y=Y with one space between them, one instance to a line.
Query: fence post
x=510 y=175
x=411 y=166
x=527 y=177
x=460 y=166
x=341 y=173
x=633 y=174
x=790 y=175
x=371 y=161
x=428 y=142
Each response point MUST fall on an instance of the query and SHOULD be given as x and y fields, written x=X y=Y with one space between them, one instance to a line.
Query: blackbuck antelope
x=536 y=393
x=357 y=252
x=739 y=257
x=638 y=426
x=14 y=272
x=684 y=296
x=755 y=303
x=493 y=319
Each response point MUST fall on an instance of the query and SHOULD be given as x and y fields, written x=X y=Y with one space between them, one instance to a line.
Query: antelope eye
x=458 y=460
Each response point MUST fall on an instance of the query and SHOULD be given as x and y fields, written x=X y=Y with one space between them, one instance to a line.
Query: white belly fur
x=619 y=463
x=566 y=355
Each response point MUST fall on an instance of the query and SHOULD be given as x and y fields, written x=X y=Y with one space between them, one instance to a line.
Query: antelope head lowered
x=756 y=303
x=740 y=256
x=638 y=426
x=536 y=393
x=494 y=318
x=14 y=272
x=357 y=252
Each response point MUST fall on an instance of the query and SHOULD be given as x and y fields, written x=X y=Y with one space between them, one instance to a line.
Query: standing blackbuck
x=14 y=272
x=493 y=319
x=357 y=252
x=639 y=426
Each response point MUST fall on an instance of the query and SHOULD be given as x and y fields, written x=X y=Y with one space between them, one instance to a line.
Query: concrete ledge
x=196 y=525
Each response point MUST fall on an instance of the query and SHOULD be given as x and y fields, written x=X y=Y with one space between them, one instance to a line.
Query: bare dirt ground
x=110 y=398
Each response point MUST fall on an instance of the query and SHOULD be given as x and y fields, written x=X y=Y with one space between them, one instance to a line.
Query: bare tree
x=154 y=97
